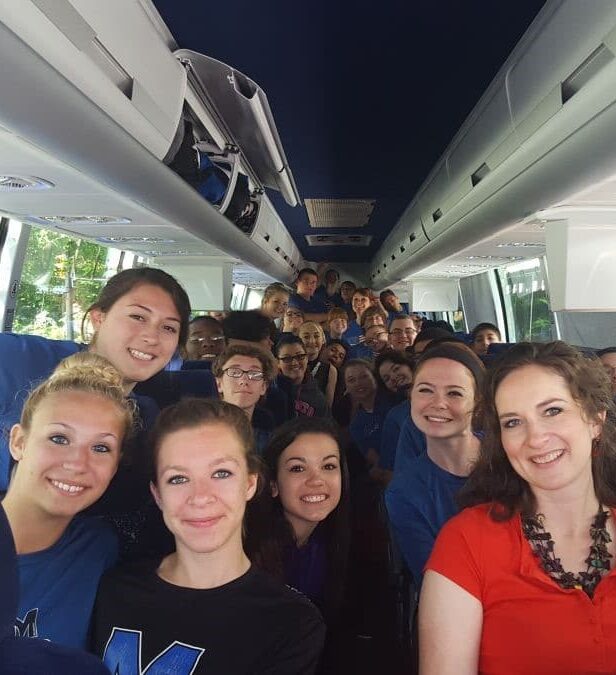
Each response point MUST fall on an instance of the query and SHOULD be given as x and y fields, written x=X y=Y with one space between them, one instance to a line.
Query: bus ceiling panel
x=574 y=150
x=398 y=254
x=561 y=40
x=482 y=135
x=114 y=54
x=563 y=45
x=44 y=108
x=243 y=112
x=577 y=132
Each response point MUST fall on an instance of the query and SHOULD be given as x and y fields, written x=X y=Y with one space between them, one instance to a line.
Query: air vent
x=521 y=244
x=179 y=252
x=61 y=221
x=338 y=239
x=23 y=184
x=135 y=240
x=436 y=215
x=339 y=212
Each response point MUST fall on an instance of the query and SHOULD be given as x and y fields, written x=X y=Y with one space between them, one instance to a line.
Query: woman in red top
x=522 y=581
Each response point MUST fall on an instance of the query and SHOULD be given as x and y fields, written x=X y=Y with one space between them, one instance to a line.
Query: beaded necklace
x=598 y=561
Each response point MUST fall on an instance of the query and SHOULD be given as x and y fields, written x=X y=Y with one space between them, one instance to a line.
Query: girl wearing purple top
x=299 y=529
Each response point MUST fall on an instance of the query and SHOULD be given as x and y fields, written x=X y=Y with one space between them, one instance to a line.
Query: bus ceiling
x=98 y=104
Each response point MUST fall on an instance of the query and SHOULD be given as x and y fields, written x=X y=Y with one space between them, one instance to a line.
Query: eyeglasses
x=198 y=340
x=296 y=357
x=399 y=332
x=236 y=373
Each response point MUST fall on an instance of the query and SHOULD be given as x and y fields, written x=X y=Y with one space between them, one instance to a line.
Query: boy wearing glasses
x=243 y=373
x=402 y=332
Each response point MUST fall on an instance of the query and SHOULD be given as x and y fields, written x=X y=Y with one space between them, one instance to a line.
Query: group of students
x=202 y=605
x=251 y=577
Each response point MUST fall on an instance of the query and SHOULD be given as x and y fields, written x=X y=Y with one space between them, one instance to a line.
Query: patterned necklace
x=598 y=561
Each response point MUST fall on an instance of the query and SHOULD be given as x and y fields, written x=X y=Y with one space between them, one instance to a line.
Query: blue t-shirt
x=335 y=299
x=26 y=360
x=57 y=586
x=352 y=334
x=312 y=306
x=398 y=419
x=419 y=502
x=361 y=351
x=366 y=427
x=411 y=444
x=393 y=315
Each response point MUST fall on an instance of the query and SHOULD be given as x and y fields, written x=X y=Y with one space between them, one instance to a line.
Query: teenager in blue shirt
x=371 y=407
x=391 y=303
x=67 y=447
x=360 y=302
x=139 y=320
x=444 y=395
x=328 y=291
x=347 y=288
x=314 y=308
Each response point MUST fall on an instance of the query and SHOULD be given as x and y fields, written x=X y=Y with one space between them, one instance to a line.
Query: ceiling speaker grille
x=23 y=184
x=339 y=212
x=338 y=239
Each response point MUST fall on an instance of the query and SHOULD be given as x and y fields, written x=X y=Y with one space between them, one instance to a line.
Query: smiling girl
x=303 y=394
x=204 y=608
x=445 y=392
x=325 y=374
x=66 y=448
x=299 y=530
x=139 y=319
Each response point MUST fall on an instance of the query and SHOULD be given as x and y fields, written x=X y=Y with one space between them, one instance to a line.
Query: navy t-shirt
x=392 y=426
x=57 y=586
x=352 y=334
x=366 y=427
x=411 y=444
x=312 y=306
x=335 y=300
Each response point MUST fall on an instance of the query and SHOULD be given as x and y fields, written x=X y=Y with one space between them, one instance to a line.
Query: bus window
x=238 y=298
x=60 y=279
x=254 y=299
x=527 y=302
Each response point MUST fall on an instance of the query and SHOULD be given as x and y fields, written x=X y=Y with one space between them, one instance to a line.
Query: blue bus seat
x=196 y=365
x=168 y=387
x=499 y=347
x=465 y=337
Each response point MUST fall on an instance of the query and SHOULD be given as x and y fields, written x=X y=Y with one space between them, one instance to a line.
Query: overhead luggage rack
x=240 y=110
